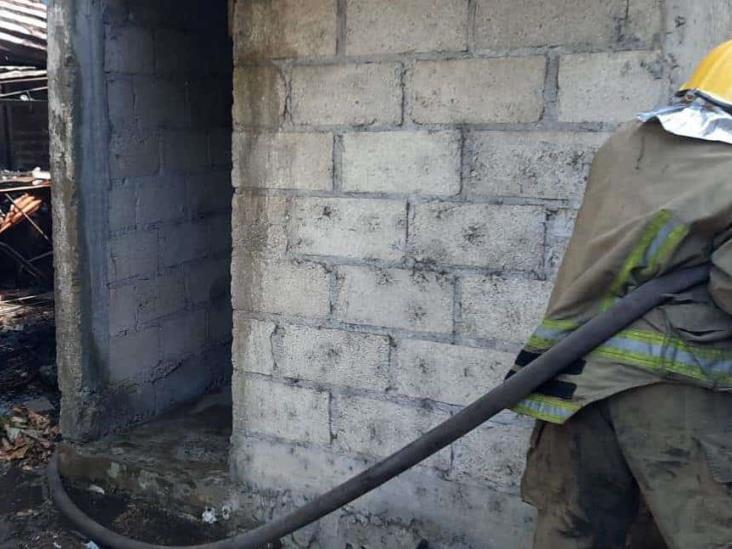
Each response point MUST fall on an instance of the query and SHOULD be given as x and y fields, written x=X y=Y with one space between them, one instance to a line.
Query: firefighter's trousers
x=664 y=446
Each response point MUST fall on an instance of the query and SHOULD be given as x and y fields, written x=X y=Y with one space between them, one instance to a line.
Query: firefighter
x=646 y=418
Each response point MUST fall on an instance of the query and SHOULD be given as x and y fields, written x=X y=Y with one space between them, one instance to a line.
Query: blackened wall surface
x=156 y=76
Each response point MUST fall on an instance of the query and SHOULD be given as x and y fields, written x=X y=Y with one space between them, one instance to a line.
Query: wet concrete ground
x=29 y=520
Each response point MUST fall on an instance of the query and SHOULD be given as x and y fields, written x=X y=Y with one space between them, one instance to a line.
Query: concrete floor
x=191 y=445
x=29 y=520
x=179 y=460
x=176 y=464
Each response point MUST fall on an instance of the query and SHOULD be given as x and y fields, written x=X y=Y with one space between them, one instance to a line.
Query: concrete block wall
x=407 y=174
x=168 y=86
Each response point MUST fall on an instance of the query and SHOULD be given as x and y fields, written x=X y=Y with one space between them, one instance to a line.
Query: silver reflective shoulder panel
x=699 y=119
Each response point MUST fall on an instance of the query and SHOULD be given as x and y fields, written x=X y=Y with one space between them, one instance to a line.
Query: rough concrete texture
x=425 y=163
x=609 y=87
x=285 y=28
x=397 y=234
x=348 y=228
x=452 y=374
x=153 y=200
x=177 y=461
x=475 y=90
x=363 y=94
x=170 y=243
x=417 y=300
x=403 y=198
x=512 y=24
x=284 y=161
x=479 y=235
x=550 y=165
x=383 y=26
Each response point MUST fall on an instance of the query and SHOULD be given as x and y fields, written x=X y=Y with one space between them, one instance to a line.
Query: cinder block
x=208 y=280
x=184 y=382
x=284 y=29
x=281 y=287
x=360 y=95
x=482 y=235
x=478 y=90
x=220 y=148
x=418 y=500
x=178 y=52
x=378 y=428
x=162 y=13
x=609 y=87
x=503 y=308
x=184 y=336
x=133 y=254
x=413 y=300
x=385 y=26
x=447 y=373
x=283 y=160
x=259 y=97
x=160 y=297
x=209 y=103
x=121 y=207
x=183 y=242
x=352 y=228
x=115 y=13
x=531 y=164
x=218 y=230
x=209 y=193
x=251 y=208
x=333 y=356
x=129 y=49
x=159 y=199
x=493 y=454
x=259 y=223
x=252 y=347
x=122 y=310
x=512 y=24
x=160 y=103
x=120 y=102
x=220 y=324
x=357 y=528
x=185 y=151
x=559 y=231
x=644 y=22
x=280 y=410
x=192 y=15
x=133 y=355
x=402 y=162
x=134 y=153
x=267 y=462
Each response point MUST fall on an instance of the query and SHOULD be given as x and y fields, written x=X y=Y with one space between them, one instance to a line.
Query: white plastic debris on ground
x=209 y=516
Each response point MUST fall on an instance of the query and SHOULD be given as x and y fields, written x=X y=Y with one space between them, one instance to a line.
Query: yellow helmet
x=713 y=77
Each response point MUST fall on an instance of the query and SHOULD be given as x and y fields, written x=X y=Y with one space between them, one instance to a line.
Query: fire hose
x=575 y=346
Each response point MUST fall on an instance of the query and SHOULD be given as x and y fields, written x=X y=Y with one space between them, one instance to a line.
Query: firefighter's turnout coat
x=655 y=202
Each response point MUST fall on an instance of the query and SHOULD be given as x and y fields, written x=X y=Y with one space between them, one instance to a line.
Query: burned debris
x=25 y=230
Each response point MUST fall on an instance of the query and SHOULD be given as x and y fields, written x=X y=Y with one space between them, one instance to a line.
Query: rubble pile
x=27 y=339
x=26 y=254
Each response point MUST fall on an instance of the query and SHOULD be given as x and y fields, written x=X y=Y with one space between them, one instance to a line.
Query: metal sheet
x=23 y=32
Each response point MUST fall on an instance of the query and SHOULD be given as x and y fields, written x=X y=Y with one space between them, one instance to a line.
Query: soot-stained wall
x=157 y=205
x=407 y=174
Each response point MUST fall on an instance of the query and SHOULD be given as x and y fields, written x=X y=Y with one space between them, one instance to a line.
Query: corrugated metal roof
x=23 y=32
x=10 y=74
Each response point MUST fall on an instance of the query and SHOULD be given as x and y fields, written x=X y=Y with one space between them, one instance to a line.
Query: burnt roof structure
x=23 y=33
